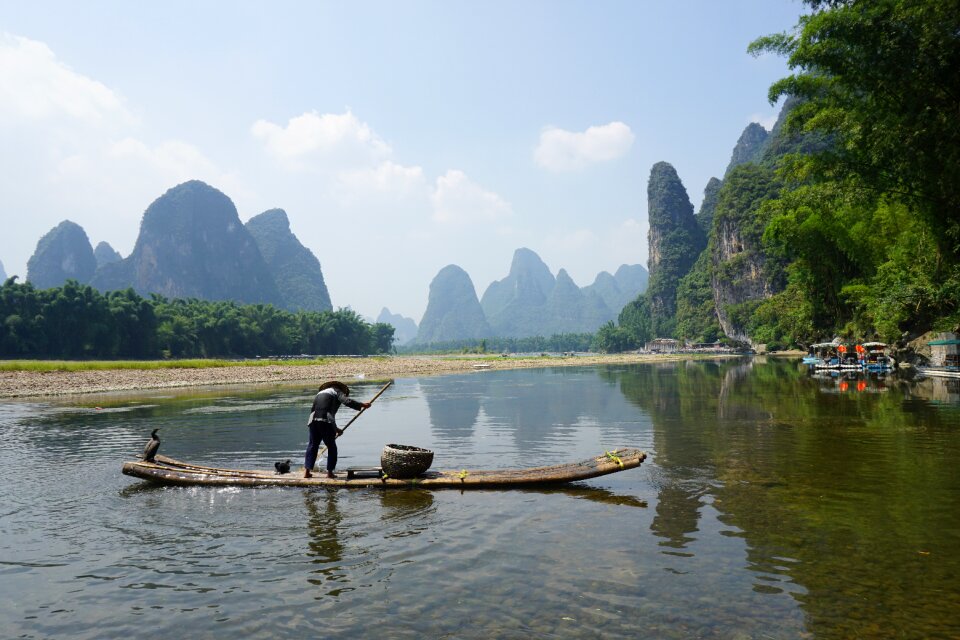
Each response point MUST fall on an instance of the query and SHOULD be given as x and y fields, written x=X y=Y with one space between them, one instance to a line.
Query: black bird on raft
x=153 y=445
x=282 y=467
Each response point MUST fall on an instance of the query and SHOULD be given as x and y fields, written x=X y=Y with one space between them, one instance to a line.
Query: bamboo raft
x=173 y=472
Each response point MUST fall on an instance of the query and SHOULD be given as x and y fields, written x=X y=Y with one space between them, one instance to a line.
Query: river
x=773 y=504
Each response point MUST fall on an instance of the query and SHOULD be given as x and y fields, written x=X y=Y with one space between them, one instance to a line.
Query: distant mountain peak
x=294 y=268
x=63 y=253
x=749 y=147
x=105 y=254
x=192 y=244
x=453 y=311
x=405 y=329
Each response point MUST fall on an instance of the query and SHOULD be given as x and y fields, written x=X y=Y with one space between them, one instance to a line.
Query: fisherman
x=323 y=424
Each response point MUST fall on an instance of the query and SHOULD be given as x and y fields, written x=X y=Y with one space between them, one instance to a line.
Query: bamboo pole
x=323 y=451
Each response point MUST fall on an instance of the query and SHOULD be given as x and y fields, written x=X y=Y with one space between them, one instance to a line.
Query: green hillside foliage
x=293 y=267
x=634 y=328
x=679 y=241
x=852 y=207
x=76 y=321
x=871 y=227
x=696 y=314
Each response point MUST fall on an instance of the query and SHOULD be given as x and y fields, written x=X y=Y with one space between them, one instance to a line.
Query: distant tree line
x=78 y=322
x=533 y=344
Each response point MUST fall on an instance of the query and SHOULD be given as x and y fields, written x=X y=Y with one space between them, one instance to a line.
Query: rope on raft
x=613 y=456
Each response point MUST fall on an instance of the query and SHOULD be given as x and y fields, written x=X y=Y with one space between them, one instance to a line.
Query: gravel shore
x=20 y=384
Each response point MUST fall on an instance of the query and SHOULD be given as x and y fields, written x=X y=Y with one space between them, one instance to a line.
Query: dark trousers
x=327 y=434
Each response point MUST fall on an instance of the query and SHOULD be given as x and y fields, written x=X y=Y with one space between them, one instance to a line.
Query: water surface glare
x=774 y=504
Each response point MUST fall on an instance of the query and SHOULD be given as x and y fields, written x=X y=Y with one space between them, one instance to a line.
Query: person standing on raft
x=323 y=424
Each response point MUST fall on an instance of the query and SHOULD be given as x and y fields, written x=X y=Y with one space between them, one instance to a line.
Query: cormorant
x=282 y=467
x=153 y=445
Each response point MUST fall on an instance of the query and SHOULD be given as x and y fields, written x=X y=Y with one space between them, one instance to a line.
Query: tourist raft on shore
x=165 y=470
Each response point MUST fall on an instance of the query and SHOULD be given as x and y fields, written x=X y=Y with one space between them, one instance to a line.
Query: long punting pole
x=359 y=413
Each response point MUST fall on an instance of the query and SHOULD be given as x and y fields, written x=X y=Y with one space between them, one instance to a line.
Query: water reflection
x=833 y=486
x=780 y=504
x=454 y=405
x=558 y=407
x=324 y=521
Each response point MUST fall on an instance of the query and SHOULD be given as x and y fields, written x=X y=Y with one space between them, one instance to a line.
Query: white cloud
x=385 y=179
x=561 y=150
x=322 y=141
x=72 y=149
x=458 y=199
x=35 y=86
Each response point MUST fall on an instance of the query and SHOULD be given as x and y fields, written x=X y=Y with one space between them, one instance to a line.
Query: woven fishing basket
x=405 y=461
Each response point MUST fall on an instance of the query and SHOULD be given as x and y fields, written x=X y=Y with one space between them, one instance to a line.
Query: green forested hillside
x=848 y=222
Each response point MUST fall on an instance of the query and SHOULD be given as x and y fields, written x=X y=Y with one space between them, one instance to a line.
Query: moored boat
x=165 y=470
x=833 y=356
x=875 y=357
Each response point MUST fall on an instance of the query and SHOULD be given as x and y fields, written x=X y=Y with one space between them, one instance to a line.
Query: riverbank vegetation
x=41 y=366
x=76 y=322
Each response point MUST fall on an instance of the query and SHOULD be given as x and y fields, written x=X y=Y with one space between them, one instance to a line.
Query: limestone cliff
x=453 y=311
x=63 y=253
x=569 y=309
x=513 y=305
x=675 y=241
x=193 y=245
x=294 y=268
x=105 y=254
x=749 y=147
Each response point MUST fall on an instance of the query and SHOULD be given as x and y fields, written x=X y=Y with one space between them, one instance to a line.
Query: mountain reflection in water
x=773 y=503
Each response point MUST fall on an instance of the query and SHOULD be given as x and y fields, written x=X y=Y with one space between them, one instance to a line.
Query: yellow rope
x=613 y=456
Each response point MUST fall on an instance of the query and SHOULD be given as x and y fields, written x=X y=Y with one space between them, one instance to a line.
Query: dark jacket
x=326 y=404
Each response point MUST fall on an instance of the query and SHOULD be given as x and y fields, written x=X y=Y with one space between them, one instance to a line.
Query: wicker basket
x=405 y=461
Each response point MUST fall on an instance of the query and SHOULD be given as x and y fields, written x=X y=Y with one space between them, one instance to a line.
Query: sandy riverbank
x=19 y=384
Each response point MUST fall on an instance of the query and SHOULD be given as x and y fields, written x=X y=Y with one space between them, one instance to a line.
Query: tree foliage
x=880 y=76
x=76 y=321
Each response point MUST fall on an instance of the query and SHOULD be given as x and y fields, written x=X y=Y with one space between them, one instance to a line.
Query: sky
x=399 y=137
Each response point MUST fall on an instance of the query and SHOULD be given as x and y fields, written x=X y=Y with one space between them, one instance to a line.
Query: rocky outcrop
x=404 y=329
x=293 y=267
x=741 y=273
x=193 y=245
x=675 y=240
x=105 y=254
x=710 y=195
x=453 y=311
x=749 y=147
x=64 y=253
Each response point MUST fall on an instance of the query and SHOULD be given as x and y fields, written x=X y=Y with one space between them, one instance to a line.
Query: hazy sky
x=400 y=137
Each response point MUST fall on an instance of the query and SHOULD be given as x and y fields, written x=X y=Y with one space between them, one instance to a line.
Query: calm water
x=773 y=505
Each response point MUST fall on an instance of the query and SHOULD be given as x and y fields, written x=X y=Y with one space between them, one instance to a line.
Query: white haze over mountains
x=395 y=137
